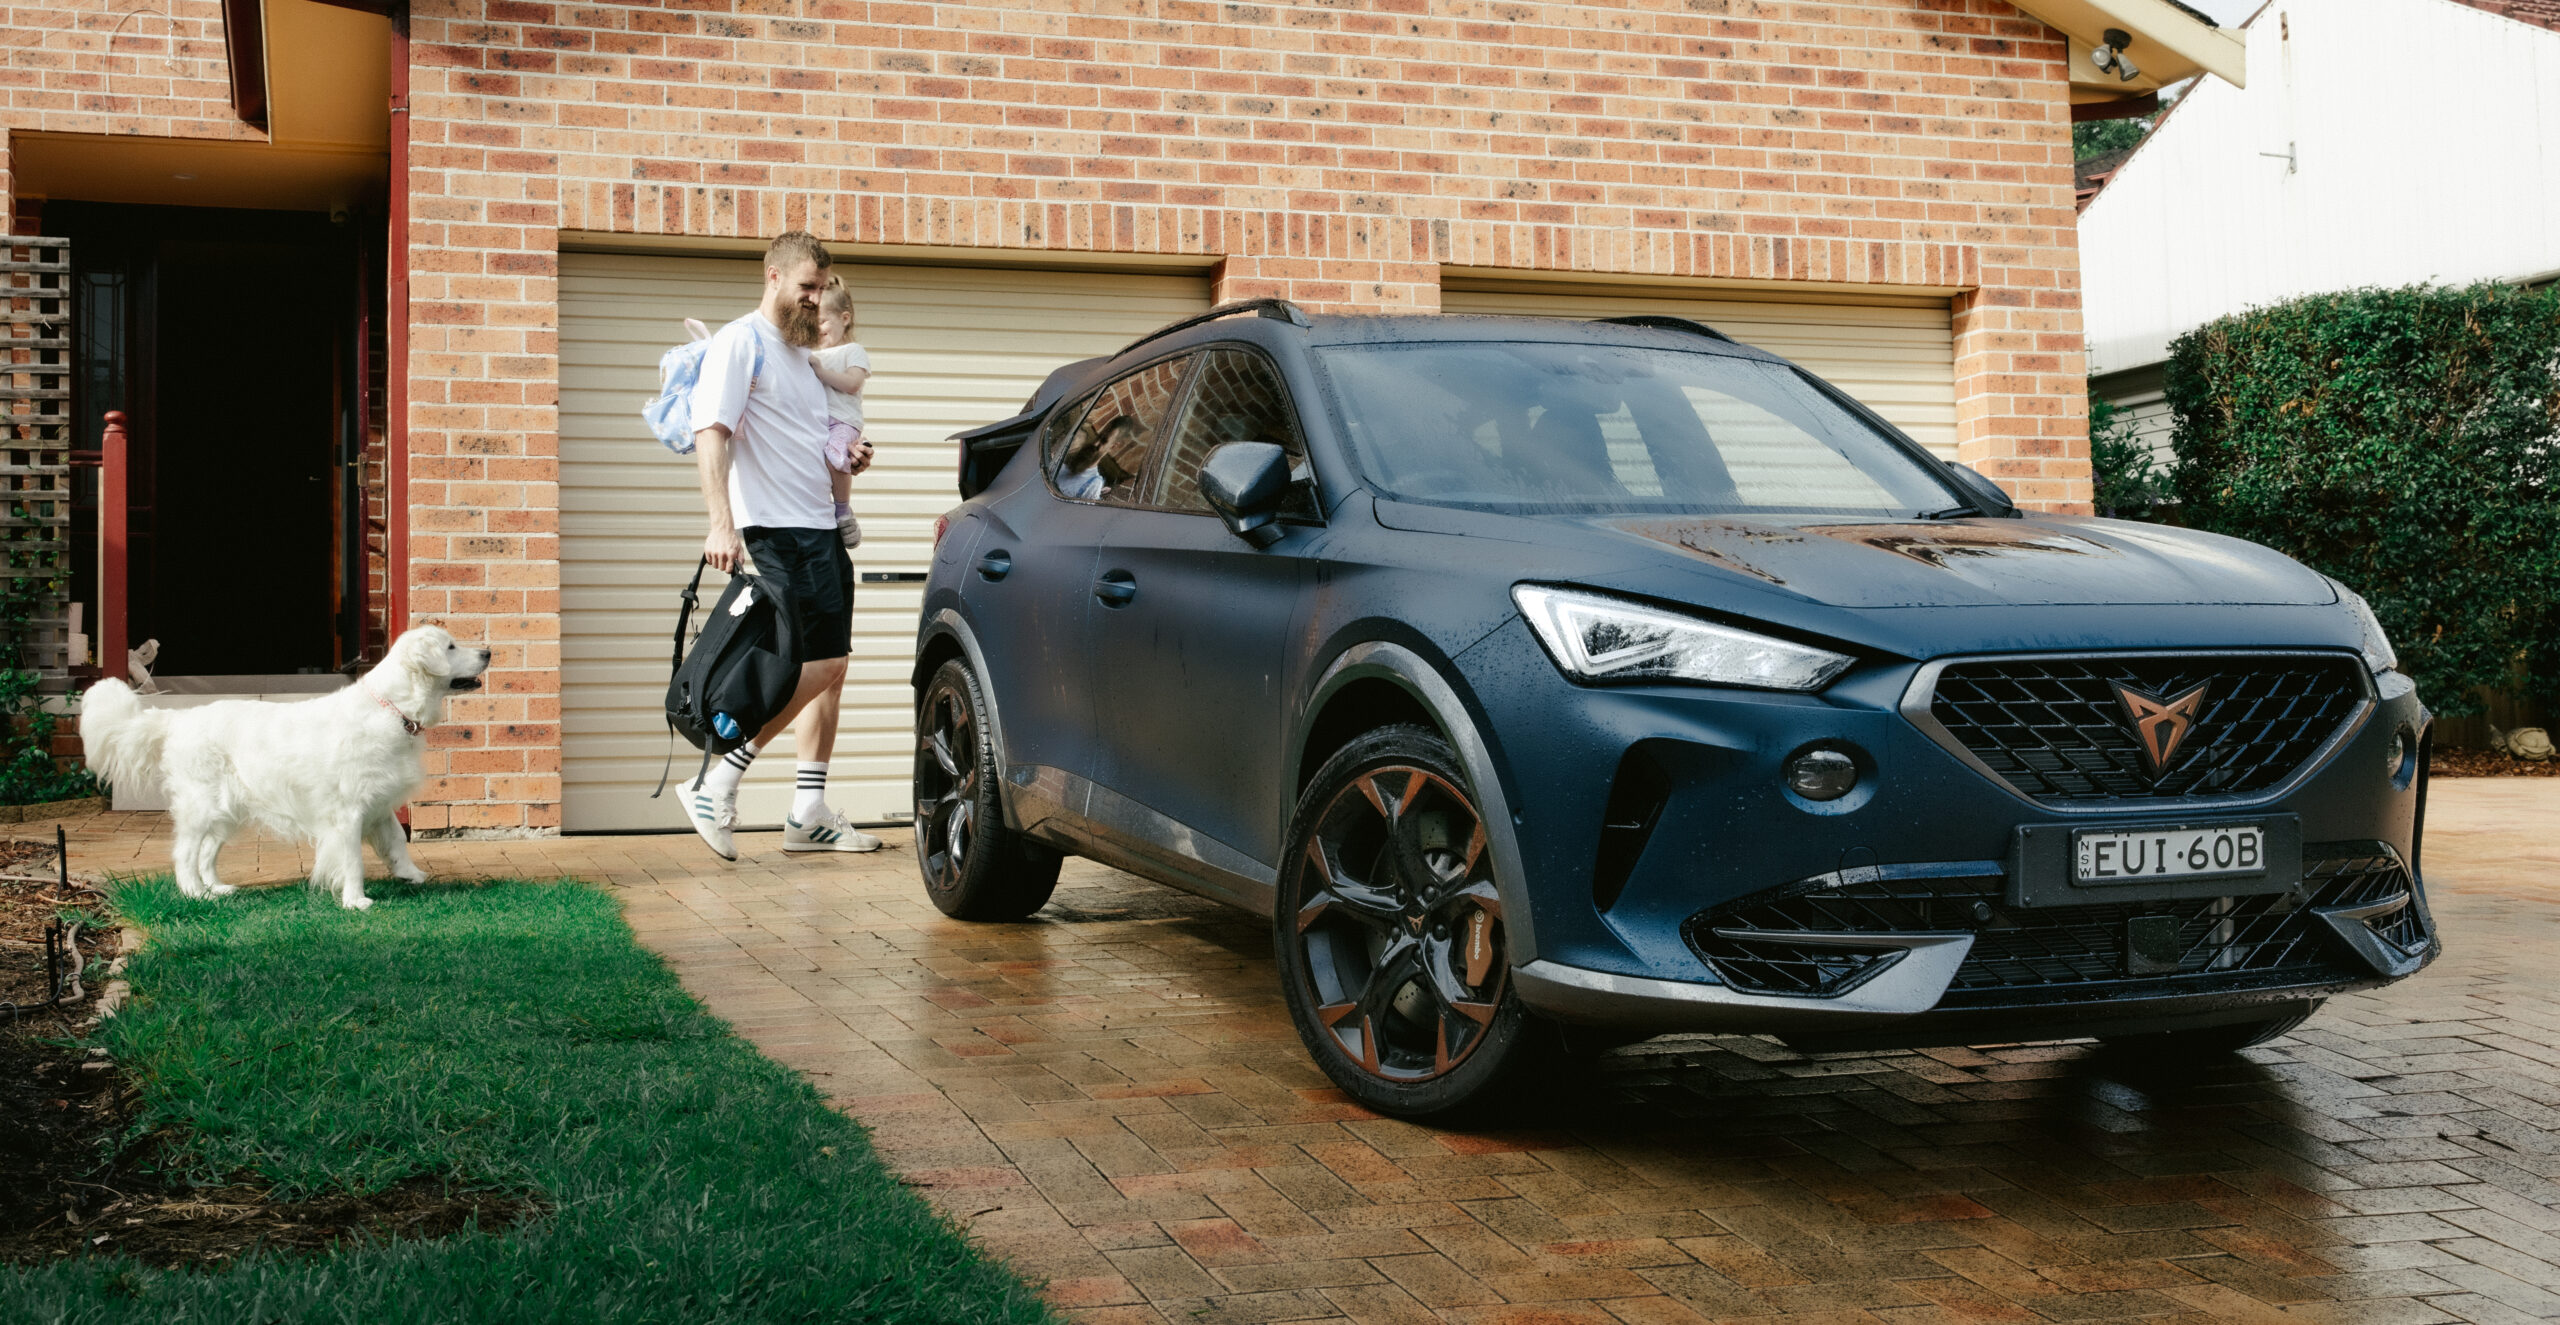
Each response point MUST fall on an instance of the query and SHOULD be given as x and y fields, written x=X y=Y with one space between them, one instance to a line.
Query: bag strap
x=684 y=617
x=755 y=368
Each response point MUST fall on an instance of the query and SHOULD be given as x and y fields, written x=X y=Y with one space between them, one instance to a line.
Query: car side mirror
x=1986 y=496
x=1245 y=483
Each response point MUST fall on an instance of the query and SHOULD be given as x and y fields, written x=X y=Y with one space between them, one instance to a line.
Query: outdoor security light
x=2109 y=54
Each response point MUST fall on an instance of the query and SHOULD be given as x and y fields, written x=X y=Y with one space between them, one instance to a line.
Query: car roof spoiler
x=1661 y=322
x=984 y=450
x=1280 y=310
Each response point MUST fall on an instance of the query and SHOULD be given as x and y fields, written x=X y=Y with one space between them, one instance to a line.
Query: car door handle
x=995 y=565
x=1116 y=588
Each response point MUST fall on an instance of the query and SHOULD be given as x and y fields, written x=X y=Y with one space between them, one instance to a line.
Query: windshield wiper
x=1950 y=513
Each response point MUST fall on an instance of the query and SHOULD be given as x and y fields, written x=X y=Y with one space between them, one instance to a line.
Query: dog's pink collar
x=407 y=723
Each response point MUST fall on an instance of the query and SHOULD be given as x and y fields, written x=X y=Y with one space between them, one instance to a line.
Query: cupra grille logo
x=2159 y=724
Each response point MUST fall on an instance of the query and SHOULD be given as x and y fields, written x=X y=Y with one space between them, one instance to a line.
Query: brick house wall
x=1337 y=154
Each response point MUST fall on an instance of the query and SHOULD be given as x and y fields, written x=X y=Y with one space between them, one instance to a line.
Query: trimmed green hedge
x=2406 y=442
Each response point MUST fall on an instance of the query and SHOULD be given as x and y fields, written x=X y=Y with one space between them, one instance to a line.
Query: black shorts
x=812 y=566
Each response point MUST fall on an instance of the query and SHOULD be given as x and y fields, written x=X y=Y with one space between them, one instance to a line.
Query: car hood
x=2033 y=561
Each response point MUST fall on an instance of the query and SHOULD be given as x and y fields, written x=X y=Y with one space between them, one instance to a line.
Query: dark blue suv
x=1553 y=684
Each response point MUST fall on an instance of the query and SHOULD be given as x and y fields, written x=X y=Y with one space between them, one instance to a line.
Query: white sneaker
x=714 y=816
x=825 y=831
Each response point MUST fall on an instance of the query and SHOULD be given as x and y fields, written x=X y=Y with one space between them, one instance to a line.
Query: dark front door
x=228 y=338
x=245 y=567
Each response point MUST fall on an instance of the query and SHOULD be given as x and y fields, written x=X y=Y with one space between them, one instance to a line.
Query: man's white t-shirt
x=844 y=406
x=777 y=424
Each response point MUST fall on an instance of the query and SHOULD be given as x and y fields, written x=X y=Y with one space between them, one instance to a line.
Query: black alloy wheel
x=974 y=867
x=1389 y=932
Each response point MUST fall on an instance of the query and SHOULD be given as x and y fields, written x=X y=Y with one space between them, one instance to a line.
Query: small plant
x=2130 y=484
x=28 y=773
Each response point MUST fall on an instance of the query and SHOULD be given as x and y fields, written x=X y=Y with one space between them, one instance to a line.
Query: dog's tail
x=121 y=739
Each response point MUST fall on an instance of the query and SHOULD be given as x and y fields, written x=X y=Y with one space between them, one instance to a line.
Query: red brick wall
x=155 y=69
x=1340 y=154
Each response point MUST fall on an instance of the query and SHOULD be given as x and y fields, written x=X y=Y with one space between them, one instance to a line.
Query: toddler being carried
x=844 y=367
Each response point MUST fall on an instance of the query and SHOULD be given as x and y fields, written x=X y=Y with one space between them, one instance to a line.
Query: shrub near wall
x=2406 y=442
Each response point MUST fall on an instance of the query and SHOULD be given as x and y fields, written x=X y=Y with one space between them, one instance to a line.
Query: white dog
x=332 y=771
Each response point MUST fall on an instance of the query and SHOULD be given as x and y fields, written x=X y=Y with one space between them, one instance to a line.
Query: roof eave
x=2169 y=46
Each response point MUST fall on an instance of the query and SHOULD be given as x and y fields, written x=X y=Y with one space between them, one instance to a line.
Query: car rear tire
x=974 y=867
x=2198 y=1046
x=1389 y=934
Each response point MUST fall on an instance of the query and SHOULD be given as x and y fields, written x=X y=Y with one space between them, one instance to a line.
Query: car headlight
x=2372 y=643
x=1593 y=637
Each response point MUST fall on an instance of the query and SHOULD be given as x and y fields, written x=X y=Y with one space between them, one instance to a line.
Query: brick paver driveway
x=1111 y=1096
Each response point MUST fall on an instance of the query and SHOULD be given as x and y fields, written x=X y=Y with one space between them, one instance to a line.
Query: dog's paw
x=218 y=890
x=413 y=874
x=358 y=903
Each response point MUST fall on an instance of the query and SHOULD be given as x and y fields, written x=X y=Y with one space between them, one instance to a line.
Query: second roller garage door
x=1894 y=353
x=951 y=348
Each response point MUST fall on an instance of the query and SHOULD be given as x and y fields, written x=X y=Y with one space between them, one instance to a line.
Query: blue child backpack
x=670 y=416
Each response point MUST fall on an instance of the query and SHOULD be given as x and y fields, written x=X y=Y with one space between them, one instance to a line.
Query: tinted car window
x=1236 y=398
x=1563 y=427
x=1104 y=456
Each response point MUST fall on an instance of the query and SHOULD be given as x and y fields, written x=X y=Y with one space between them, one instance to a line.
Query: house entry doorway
x=233 y=341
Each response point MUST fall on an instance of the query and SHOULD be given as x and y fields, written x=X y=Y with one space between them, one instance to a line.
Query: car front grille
x=2054 y=728
x=2041 y=953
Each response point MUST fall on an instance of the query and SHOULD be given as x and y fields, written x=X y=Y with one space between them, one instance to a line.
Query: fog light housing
x=1822 y=775
x=2398 y=753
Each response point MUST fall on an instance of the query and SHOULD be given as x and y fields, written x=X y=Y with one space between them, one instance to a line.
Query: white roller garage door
x=951 y=348
x=1896 y=354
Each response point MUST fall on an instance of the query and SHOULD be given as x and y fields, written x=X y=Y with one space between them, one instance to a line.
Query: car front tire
x=975 y=868
x=1389 y=934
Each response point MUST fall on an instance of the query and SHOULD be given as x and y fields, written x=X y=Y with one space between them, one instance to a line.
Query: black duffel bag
x=741 y=671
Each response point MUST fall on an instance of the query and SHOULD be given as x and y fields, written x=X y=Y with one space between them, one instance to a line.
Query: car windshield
x=1559 y=427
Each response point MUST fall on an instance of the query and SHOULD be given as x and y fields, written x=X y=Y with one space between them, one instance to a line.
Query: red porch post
x=396 y=309
x=113 y=507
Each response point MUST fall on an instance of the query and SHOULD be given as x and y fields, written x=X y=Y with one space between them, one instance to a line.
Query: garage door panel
x=951 y=348
x=1896 y=355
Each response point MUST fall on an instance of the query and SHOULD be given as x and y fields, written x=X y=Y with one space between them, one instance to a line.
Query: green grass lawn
x=510 y=1036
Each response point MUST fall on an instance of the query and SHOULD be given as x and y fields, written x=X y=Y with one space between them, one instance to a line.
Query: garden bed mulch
x=2488 y=764
x=74 y=1183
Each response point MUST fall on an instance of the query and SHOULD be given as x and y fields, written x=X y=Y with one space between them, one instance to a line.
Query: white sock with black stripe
x=812 y=799
x=729 y=768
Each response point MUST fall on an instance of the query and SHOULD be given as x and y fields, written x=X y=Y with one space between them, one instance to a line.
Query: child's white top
x=843 y=407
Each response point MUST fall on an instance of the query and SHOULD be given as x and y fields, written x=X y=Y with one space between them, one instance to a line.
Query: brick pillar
x=484 y=499
x=9 y=190
x=1331 y=263
x=2022 y=371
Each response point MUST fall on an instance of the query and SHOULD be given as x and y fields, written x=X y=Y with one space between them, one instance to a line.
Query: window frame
x=1083 y=404
x=1297 y=418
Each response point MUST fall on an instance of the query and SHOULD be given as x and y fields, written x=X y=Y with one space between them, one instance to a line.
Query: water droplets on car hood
x=1984 y=562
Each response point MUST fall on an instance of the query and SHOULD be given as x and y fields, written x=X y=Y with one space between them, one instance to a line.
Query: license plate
x=2132 y=855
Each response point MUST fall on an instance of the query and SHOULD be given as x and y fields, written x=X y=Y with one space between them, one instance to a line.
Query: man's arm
x=722 y=546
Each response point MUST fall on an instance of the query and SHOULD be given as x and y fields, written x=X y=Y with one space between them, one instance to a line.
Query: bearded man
x=760 y=439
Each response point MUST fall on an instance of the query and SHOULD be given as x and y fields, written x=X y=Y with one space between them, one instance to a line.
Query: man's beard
x=800 y=325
